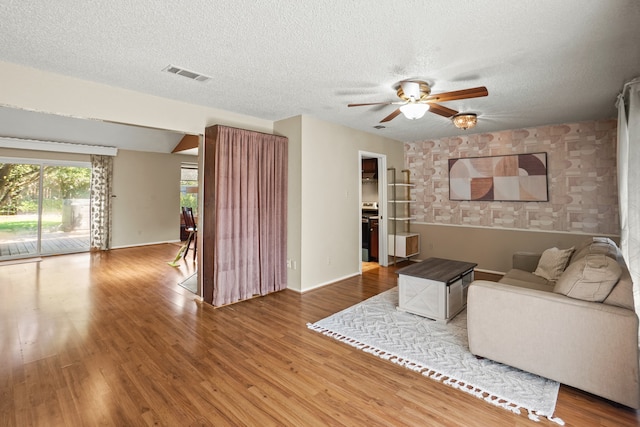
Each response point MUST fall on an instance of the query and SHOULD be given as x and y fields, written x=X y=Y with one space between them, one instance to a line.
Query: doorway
x=372 y=210
x=188 y=193
x=44 y=208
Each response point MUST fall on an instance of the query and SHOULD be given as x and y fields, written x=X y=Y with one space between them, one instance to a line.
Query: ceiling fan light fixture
x=414 y=110
x=465 y=121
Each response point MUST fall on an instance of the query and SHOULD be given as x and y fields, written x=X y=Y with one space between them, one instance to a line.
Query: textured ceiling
x=543 y=62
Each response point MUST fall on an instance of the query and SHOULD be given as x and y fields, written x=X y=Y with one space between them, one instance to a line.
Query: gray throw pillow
x=552 y=263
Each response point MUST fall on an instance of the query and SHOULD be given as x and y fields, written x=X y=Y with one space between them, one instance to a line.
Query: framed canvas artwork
x=516 y=177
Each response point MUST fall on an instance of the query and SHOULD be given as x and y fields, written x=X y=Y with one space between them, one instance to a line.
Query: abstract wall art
x=517 y=177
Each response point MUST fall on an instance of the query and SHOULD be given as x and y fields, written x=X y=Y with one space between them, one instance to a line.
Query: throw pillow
x=552 y=263
x=590 y=279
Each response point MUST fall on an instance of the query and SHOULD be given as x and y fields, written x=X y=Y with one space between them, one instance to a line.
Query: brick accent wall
x=581 y=167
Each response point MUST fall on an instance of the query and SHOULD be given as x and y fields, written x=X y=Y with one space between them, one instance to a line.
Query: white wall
x=292 y=129
x=329 y=195
x=146 y=206
x=370 y=191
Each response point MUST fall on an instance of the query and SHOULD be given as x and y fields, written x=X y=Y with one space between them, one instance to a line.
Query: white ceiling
x=543 y=62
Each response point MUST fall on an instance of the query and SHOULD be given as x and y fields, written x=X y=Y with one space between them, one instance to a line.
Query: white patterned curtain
x=101 y=189
x=629 y=181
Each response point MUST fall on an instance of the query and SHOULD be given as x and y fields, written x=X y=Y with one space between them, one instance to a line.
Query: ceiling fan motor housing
x=407 y=88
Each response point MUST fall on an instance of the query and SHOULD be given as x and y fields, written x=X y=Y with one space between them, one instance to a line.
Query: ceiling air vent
x=186 y=73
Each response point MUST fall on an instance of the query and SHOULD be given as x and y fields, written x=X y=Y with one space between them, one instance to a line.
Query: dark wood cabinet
x=369 y=169
x=369 y=165
x=373 y=240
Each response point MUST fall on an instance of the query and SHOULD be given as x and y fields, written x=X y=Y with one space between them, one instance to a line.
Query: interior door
x=381 y=229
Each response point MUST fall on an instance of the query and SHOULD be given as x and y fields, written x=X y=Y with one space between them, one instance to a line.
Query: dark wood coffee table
x=435 y=288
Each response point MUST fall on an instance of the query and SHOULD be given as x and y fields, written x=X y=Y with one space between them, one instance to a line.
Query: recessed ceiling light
x=379 y=127
x=186 y=73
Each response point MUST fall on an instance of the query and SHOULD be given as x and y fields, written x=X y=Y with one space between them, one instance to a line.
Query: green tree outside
x=15 y=181
x=19 y=184
x=68 y=182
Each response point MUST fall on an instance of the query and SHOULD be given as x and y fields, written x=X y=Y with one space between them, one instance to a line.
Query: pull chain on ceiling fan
x=417 y=100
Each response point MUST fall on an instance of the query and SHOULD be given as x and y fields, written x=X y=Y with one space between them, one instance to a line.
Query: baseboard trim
x=323 y=284
x=145 y=244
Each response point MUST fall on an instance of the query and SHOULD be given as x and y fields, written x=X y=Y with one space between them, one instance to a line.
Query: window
x=189 y=186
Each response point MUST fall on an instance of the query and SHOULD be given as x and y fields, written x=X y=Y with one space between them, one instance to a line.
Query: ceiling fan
x=416 y=99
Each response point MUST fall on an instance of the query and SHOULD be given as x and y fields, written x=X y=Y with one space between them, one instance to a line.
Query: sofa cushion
x=591 y=278
x=525 y=279
x=552 y=263
x=596 y=245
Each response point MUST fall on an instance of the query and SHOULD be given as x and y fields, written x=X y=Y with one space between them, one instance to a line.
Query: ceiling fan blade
x=475 y=92
x=391 y=116
x=370 y=103
x=441 y=110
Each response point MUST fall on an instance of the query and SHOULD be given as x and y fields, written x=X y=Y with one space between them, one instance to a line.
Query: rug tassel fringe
x=430 y=373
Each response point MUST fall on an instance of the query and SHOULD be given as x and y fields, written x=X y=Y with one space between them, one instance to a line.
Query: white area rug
x=439 y=351
x=190 y=283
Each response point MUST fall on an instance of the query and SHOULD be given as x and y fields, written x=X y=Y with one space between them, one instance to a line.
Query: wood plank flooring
x=111 y=339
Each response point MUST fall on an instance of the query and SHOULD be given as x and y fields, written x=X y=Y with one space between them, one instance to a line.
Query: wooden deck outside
x=51 y=245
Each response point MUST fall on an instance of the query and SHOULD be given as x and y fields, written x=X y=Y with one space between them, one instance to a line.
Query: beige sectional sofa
x=578 y=328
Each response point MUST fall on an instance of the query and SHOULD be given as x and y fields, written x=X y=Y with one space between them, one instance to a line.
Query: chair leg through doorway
x=189 y=240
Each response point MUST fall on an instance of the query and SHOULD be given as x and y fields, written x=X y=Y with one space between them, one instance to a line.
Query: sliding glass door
x=44 y=208
x=65 y=209
x=19 y=195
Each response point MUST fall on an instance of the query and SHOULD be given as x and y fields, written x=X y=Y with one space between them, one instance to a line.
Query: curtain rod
x=248 y=130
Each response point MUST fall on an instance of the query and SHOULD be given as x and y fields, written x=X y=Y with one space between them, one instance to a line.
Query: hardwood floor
x=112 y=339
